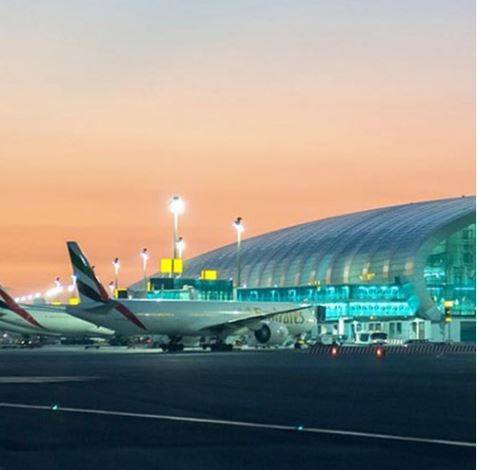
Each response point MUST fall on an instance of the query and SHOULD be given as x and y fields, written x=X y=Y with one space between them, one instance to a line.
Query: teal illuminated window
x=450 y=272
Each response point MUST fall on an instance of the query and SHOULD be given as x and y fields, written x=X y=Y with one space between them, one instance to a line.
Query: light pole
x=73 y=281
x=239 y=228
x=72 y=287
x=58 y=288
x=180 y=247
x=177 y=207
x=145 y=258
x=117 y=266
x=111 y=288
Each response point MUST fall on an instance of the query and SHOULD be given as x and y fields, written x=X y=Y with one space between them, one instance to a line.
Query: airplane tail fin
x=5 y=298
x=8 y=303
x=89 y=288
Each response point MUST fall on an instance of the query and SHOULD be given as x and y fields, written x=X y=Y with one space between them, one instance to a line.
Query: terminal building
x=406 y=270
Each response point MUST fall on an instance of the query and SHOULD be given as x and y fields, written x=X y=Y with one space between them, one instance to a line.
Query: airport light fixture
x=58 y=288
x=36 y=295
x=53 y=292
x=144 y=258
x=117 y=267
x=73 y=286
x=177 y=207
x=48 y=293
x=239 y=227
x=380 y=352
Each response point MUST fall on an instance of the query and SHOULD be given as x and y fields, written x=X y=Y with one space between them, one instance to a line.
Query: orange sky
x=281 y=115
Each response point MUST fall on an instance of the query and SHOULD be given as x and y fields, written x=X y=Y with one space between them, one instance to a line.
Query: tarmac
x=67 y=407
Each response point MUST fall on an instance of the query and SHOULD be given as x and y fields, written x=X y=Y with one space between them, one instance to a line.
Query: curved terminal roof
x=383 y=245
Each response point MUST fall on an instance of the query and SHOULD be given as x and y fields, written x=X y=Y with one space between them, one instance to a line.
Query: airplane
x=270 y=322
x=43 y=320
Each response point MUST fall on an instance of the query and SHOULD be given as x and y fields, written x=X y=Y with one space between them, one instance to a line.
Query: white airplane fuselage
x=52 y=320
x=177 y=318
x=22 y=330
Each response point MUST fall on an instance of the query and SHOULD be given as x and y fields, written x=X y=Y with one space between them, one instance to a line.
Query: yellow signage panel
x=166 y=265
x=208 y=274
x=121 y=293
x=171 y=265
x=177 y=265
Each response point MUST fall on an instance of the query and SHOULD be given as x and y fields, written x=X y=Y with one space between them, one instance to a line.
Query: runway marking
x=244 y=424
x=43 y=379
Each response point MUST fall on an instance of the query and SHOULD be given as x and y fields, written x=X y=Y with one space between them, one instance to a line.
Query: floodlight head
x=238 y=225
x=177 y=205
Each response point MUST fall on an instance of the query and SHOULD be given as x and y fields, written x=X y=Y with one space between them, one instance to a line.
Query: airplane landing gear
x=300 y=342
x=221 y=346
x=173 y=346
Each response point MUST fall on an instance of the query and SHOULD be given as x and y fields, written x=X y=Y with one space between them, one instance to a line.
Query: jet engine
x=271 y=333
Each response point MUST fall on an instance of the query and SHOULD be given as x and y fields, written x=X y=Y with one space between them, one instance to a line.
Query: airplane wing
x=249 y=320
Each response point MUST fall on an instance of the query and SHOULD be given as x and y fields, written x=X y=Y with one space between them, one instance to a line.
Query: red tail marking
x=14 y=307
x=129 y=315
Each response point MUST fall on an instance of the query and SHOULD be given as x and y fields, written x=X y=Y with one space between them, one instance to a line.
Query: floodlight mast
x=145 y=258
x=177 y=207
x=180 y=245
x=239 y=227
x=117 y=267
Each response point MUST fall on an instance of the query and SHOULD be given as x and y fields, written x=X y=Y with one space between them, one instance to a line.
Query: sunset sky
x=278 y=111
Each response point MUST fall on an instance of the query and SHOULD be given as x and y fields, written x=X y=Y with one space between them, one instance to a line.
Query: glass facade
x=186 y=289
x=350 y=301
x=450 y=272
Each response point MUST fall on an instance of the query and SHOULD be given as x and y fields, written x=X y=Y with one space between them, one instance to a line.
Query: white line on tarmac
x=43 y=379
x=243 y=424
